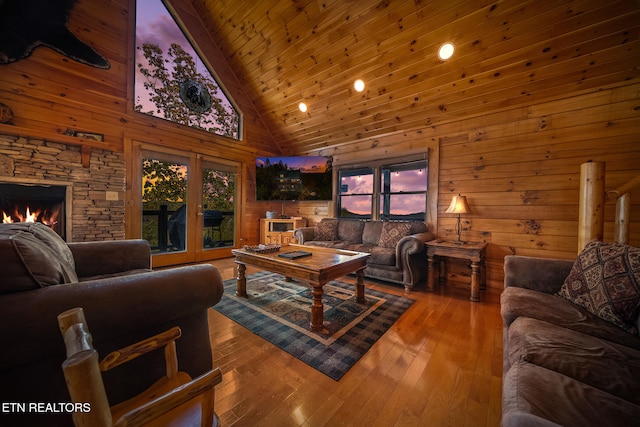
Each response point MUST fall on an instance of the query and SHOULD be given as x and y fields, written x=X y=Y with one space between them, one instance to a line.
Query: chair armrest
x=140 y=348
x=304 y=234
x=174 y=398
x=112 y=256
x=539 y=274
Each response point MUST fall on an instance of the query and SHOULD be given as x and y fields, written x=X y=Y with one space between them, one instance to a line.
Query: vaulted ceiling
x=507 y=53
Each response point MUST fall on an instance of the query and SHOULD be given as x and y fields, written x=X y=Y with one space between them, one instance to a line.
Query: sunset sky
x=400 y=204
x=307 y=164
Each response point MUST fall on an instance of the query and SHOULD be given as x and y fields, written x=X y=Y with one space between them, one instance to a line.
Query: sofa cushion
x=350 y=231
x=371 y=232
x=392 y=233
x=336 y=244
x=602 y=364
x=605 y=279
x=536 y=396
x=418 y=227
x=326 y=230
x=360 y=247
x=521 y=302
x=382 y=256
x=35 y=256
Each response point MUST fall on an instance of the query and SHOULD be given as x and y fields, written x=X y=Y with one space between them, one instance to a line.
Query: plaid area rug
x=280 y=312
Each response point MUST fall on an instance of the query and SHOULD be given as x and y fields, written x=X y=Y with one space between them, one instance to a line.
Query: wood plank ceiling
x=507 y=53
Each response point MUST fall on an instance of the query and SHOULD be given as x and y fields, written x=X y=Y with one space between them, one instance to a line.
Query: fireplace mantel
x=85 y=144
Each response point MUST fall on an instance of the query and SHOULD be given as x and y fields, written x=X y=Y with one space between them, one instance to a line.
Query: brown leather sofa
x=123 y=299
x=396 y=248
x=564 y=365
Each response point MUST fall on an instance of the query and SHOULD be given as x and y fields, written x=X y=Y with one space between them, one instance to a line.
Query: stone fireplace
x=50 y=176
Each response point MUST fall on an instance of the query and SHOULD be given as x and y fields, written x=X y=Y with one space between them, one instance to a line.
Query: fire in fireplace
x=34 y=203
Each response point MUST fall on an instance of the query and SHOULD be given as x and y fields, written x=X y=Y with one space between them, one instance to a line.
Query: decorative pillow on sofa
x=605 y=280
x=392 y=233
x=326 y=230
x=35 y=256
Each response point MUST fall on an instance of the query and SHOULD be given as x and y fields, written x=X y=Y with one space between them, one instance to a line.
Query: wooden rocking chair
x=174 y=400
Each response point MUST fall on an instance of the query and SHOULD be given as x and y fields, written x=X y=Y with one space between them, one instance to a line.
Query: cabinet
x=279 y=231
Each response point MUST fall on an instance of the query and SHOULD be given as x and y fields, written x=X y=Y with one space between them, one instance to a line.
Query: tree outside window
x=172 y=82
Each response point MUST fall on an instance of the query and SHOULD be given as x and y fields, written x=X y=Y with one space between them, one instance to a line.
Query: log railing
x=592 y=200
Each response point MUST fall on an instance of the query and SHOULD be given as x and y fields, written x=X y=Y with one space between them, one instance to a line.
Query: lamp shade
x=458 y=205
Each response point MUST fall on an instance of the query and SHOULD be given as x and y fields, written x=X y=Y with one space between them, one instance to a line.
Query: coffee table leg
x=360 y=286
x=241 y=280
x=317 y=310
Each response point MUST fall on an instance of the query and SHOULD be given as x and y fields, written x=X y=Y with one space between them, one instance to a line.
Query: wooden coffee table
x=322 y=266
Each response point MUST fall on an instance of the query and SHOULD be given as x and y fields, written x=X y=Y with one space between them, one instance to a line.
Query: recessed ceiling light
x=358 y=85
x=446 y=51
x=303 y=107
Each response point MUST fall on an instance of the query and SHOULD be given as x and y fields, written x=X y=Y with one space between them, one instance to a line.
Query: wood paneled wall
x=534 y=89
x=520 y=170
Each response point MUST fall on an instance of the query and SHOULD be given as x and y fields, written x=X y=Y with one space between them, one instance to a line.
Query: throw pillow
x=326 y=230
x=37 y=256
x=392 y=233
x=605 y=280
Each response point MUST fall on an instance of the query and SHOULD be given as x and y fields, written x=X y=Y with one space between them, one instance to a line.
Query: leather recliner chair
x=124 y=301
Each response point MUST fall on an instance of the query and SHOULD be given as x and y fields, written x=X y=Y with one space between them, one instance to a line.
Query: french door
x=186 y=205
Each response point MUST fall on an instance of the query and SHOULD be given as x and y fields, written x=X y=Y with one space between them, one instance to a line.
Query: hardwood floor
x=440 y=364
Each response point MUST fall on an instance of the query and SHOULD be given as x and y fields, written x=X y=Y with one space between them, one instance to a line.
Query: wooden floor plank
x=440 y=364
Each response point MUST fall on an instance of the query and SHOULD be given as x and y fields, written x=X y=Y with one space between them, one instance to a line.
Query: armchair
x=124 y=301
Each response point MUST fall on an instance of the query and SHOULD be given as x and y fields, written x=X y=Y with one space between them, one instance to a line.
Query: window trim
x=377 y=167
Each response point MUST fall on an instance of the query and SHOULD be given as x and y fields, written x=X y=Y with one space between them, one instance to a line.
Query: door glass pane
x=218 y=203
x=164 y=204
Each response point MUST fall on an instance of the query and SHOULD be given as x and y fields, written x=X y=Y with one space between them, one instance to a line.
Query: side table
x=473 y=251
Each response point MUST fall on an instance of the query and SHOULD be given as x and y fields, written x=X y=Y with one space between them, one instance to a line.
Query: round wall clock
x=195 y=96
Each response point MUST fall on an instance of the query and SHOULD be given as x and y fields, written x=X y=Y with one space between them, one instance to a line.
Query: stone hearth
x=96 y=205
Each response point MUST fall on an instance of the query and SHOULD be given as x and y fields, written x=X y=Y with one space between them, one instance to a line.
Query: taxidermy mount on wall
x=27 y=24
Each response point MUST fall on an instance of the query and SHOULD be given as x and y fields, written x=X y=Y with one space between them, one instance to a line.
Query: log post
x=84 y=382
x=82 y=372
x=623 y=215
x=592 y=198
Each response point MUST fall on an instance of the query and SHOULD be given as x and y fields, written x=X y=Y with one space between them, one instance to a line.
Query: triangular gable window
x=171 y=80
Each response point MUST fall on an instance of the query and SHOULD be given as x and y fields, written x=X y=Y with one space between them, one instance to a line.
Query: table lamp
x=458 y=206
